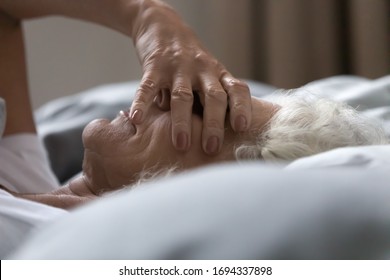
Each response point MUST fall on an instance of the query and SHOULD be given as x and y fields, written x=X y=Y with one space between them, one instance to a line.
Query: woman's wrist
x=148 y=13
x=119 y=15
x=130 y=17
x=158 y=31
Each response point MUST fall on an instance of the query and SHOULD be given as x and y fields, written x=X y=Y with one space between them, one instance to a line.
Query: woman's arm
x=115 y=14
x=14 y=90
x=13 y=77
x=73 y=194
x=13 y=73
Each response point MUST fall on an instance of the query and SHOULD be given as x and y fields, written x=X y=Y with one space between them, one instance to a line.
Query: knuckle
x=180 y=125
x=237 y=107
x=147 y=86
x=216 y=96
x=176 y=58
x=201 y=57
x=177 y=54
x=234 y=85
x=213 y=124
x=183 y=94
x=180 y=121
x=139 y=100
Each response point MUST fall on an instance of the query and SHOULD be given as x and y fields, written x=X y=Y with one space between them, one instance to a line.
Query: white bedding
x=333 y=205
x=247 y=211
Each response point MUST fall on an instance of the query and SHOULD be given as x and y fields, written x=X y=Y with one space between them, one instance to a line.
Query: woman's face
x=117 y=152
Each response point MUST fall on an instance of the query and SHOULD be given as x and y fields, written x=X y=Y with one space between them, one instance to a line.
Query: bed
x=334 y=205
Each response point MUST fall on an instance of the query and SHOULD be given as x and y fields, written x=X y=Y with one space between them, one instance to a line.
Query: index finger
x=144 y=97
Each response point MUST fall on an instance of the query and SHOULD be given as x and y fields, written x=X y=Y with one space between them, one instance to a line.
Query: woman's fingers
x=173 y=58
x=214 y=101
x=181 y=111
x=216 y=95
x=240 y=104
x=144 y=97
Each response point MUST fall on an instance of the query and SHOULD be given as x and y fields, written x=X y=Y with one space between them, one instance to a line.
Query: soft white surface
x=368 y=157
x=19 y=218
x=246 y=211
x=24 y=165
x=24 y=169
x=370 y=97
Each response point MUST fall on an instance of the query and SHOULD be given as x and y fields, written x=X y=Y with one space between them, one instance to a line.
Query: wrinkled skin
x=175 y=64
x=117 y=151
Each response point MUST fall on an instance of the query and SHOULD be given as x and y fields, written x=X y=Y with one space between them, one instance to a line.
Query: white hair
x=306 y=125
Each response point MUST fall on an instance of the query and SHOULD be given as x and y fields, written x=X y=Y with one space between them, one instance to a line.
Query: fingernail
x=212 y=145
x=240 y=124
x=182 y=141
x=136 y=116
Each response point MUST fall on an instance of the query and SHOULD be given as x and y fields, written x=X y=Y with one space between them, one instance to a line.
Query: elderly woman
x=138 y=145
x=166 y=48
x=292 y=125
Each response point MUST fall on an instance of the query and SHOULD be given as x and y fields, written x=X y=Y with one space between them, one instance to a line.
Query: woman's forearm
x=120 y=15
x=13 y=77
x=61 y=199
x=73 y=194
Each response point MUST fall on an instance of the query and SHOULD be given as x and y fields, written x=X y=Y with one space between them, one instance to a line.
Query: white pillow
x=368 y=157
